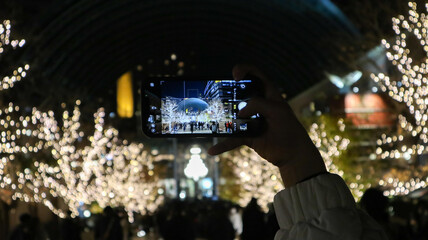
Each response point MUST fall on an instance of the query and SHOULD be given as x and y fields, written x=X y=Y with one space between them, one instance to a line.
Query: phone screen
x=197 y=107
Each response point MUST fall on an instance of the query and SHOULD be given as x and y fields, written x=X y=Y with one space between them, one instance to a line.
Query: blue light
x=207 y=183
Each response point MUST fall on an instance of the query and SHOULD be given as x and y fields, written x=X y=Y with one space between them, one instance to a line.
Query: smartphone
x=198 y=106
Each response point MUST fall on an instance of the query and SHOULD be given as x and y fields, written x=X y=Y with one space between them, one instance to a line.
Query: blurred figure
x=253 y=221
x=376 y=205
x=236 y=219
x=25 y=229
x=177 y=225
x=38 y=229
x=422 y=219
x=70 y=228
x=272 y=225
x=108 y=226
x=220 y=227
x=124 y=223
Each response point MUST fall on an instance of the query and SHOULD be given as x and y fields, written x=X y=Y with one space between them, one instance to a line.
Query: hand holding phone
x=285 y=142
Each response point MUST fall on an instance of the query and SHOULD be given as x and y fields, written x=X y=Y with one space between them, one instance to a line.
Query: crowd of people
x=401 y=218
x=193 y=126
x=214 y=220
x=174 y=220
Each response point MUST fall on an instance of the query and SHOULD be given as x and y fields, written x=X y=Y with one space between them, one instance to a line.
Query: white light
x=347 y=80
x=241 y=105
x=182 y=195
x=155 y=152
x=207 y=183
x=195 y=150
x=374 y=89
x=141 y=233
x=86 y=213
x=195 y=168
x=407 y=156
x=355 y=89
x=336 y=80
x=109 y=157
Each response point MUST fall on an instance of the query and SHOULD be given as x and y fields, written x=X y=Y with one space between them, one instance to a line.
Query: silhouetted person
x=220 y=227
x=70 y=228
x=271 y=223
x=25 y=229
x=123 y=218
x=108 y=226
x=39 y=230
x=177 y=225
x=253 y=221
x=376 y=205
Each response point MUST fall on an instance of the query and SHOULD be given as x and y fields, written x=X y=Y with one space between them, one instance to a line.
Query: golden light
x=125 y=97
x=410 y=89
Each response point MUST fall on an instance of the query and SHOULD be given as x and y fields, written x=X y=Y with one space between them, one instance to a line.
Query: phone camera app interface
x=201 y=107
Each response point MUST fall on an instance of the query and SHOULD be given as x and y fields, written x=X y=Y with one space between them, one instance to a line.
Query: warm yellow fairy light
x=100 y=172
x=412 y=90
x=258 y=178
x=19 y=73
x=331 y=148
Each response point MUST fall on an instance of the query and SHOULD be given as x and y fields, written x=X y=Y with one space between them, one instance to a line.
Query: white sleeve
x=322 y=208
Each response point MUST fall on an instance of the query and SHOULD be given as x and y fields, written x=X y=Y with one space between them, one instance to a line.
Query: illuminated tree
x=408 y=52
x=329 y=137
x=107 y=171
x=216 y=110
x=7 y=44
x=42 y=159
x=410 y=87
x=24 y=140
x=258 y=178
x=169 y=112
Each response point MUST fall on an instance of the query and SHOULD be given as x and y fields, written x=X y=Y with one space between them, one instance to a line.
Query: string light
x=19 y=73
x=108 y=171
x=410 y=89
x=100 y=172
x=331 y=147
x=257 y=177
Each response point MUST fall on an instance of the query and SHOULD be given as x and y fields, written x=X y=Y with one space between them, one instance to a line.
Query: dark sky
x=182 y=89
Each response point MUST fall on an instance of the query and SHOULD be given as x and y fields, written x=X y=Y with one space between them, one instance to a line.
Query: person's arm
x=322 y=207
x=314 y=204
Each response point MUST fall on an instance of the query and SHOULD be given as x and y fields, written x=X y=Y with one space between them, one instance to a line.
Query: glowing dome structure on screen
x=192 y=105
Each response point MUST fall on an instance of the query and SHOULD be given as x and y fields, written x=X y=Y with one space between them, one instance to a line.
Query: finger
x=241 y=70
x=256 y=105
x=226 y=145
